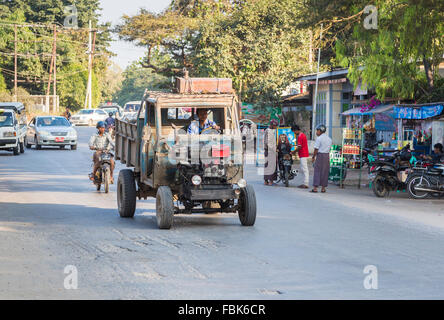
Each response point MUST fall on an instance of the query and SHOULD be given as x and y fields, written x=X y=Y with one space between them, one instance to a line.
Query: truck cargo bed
x=127 y=143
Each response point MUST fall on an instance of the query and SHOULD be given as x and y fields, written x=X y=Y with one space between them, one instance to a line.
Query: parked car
x=12 y=127
x=51 y=131
x=89 y=117
x=131 y=108
x=115 y=109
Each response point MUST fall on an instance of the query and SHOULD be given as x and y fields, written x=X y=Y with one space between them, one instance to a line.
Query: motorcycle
x=285 y=163
x=103 y=173
x=391 y=173
x=426 y=180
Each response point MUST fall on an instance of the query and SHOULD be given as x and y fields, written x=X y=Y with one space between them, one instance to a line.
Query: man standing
x=270 y=145
x=302 y=149
x=321 y=159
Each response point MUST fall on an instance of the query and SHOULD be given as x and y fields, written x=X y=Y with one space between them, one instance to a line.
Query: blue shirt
x=109 y=121
x=195 y=127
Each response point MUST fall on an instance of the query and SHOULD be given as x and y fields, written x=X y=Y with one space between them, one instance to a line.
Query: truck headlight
x=9 y=134
x=196 y=180
x=242 y=183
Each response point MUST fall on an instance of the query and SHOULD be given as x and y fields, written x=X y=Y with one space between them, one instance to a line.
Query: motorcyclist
x=67 y=114
x=99 y=142
x=110 y=121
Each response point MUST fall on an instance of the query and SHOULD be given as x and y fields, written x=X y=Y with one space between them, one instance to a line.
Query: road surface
x=303 y=246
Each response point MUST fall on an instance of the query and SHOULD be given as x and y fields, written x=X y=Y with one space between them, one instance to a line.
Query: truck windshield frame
x=8 y=119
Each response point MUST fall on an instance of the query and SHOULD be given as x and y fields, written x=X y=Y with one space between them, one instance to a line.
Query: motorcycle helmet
x=110 y=114
x=321 y=128
x=100 y=124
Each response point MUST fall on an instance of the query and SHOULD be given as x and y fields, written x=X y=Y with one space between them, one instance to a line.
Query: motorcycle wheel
x=418 y=181
x=98 y=186
x=286 y=179
x=379 y=188
x=107 y=179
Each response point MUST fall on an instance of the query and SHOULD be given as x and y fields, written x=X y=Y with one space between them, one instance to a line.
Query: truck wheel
x=247 y=206
x=126 y=193
x=74 y=147
x=164 y=207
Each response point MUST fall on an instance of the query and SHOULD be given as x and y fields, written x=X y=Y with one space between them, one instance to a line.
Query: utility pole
x=55 y=69
x=316 y=90
x=48 y=89
x=15 y=63
x=88 y=98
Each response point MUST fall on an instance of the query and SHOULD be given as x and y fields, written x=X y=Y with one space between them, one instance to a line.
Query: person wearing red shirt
x=302 y=149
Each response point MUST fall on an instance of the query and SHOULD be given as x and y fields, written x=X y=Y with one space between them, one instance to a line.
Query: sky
x=113 y=10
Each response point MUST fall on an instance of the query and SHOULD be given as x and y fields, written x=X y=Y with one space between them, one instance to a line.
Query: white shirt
x=323 y=143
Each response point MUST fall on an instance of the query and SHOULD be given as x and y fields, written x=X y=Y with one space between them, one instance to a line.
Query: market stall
x=397 y=125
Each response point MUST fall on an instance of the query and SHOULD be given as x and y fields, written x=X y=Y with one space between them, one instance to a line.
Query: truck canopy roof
x=167 y=100
x=16 y=106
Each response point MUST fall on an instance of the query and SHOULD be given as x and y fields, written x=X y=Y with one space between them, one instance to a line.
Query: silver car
x=51 y=131
x=89 y=117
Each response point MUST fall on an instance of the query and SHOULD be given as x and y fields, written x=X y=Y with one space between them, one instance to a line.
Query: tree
x=254 y=42
x=35 y=45
x=402 y=56
x=136 y=80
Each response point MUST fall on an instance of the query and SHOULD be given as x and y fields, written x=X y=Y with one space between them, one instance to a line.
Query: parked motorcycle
x=426 y=181
x=103 y=173
x=391 y=174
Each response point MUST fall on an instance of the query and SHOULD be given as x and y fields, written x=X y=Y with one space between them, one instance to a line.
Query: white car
x=89 y=117
x=51 y=131
x=131 y=107
x=12 y=127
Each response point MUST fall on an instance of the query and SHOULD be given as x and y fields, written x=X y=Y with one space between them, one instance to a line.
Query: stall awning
x=379 y=109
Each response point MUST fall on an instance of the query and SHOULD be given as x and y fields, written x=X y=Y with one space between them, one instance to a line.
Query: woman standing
x=270 y=170
x=321 y=159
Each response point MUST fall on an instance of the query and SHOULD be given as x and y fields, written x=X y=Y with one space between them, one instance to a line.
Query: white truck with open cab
x=13 y=127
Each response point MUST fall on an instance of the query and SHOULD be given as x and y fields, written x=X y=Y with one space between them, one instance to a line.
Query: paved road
x=303 y=245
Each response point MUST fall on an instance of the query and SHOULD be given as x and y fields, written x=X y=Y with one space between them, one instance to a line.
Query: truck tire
x=126 y=193
x=74 y=147
x=247 y=206
x=164 y=208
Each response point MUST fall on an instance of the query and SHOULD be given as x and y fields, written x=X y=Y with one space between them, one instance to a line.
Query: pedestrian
x=302 y=150
x=270 y=170
x=321 y=159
